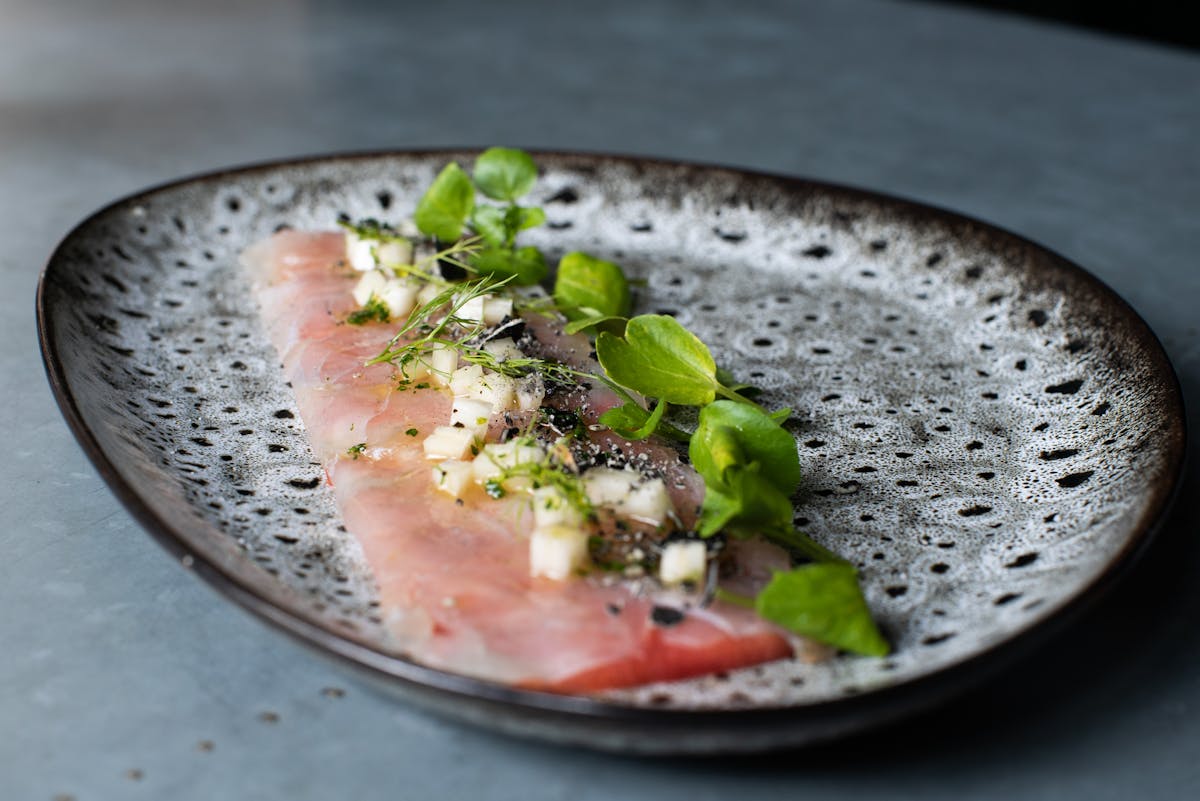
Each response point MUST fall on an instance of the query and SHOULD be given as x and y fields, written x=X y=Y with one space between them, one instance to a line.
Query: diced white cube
x=551 y=507
x=453 y=477
x=503 y=349
x=472 y=310
x=496 y=457
x=648 y=502
x=498 y=390
x=464 y=382
x=359 y=252
x=606 y=486
x=683 y=561
x=627 y=493
x=415 y=369
x=471 y=413
x=400 y=295
x=442 y=361
x=448 y=442
x=394 y=251
x=428 y=293
x=557 y=552
x=531 y=391
x=371 y=283
x=496 y=309
x=485 y=468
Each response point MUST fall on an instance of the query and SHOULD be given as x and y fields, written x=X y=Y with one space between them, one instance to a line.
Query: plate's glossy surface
x=988 y=431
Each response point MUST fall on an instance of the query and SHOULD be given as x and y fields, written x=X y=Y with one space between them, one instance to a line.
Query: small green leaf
x=589 y=287
x=522 y=218
x=660 y=358
x=446 y=205
x=745 y=504
x=732 y=433
x=503 y=173
x=823 y=601
x=593 y=319
x=527 y=265
x=499 y=226
x=717 y=512
x=632 y=421
x=488 y=222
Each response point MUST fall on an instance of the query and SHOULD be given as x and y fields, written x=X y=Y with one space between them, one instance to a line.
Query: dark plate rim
x=883 y=703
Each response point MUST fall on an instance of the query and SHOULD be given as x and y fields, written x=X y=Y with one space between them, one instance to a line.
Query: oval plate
x=985 y=429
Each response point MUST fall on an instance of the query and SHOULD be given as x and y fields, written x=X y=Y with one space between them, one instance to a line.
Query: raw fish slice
x=454 y=579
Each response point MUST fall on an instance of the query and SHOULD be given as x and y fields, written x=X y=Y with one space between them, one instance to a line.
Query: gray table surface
x=121 y=676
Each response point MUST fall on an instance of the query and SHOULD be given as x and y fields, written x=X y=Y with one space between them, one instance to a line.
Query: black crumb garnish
x=665 y=616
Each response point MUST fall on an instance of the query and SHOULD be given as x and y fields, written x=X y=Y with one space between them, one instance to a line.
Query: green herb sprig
x=449 y=206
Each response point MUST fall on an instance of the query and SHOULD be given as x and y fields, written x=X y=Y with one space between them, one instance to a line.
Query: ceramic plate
x=984 y=428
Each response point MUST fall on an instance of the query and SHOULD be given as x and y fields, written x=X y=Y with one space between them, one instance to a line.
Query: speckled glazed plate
x=989 y=432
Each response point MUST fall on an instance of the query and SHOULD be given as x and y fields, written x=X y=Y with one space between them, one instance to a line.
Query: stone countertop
x=124 y=677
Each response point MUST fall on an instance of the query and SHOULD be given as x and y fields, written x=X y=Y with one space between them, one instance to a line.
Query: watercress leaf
x=757 y=439
x=781 y=415
x=729 y=381
x=744 y=505
x=660 y=358
x=586 y=283
x=823 y=601
x=714 y=449
x=613 y=323
x=446 y=205
x=488 y=222
x=529 y=217
x=519 y=218
x=525 y=265
x=632 y=421
x=718 y=510
x=503 y=173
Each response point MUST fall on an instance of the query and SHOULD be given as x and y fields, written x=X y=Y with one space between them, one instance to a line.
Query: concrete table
x=123 y=677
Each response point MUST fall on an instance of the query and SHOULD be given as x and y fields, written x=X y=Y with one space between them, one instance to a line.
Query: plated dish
x=988 y=433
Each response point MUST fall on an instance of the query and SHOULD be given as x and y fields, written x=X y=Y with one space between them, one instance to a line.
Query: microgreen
x=373 y=311
x=446 y=205
x=499 y=226
x=660 y=358
x=503 y=173
x=732 y=435
x=631 y=421
x=595 y=321
x=822 y=601
x=591 y=290
x=354 y=451
x=525 y=265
